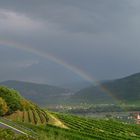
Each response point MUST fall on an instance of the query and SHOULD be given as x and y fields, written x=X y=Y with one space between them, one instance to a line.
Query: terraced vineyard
x=33 y=116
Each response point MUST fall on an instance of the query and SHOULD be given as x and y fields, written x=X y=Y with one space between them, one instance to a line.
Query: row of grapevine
x=33 y=116
x=102 y=129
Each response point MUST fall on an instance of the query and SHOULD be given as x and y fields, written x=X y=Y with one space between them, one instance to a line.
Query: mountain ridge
x=126 y=89
x=39 y=93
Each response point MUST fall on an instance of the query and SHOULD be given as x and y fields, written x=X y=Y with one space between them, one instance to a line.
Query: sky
x=69 y=40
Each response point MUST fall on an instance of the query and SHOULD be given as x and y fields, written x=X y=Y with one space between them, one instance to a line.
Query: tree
x=12 y=98
x=3 y=107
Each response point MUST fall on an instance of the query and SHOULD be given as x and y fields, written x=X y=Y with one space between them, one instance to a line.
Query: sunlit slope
x=16 y=108
x=36 y=116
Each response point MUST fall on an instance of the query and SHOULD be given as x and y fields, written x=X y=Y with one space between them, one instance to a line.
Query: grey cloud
x=75 y=16
x=98 y=36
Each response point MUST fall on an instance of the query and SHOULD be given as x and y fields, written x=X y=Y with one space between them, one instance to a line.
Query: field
x=70 y=127
x=101 y=129
x=34 y=116
x=44 y=125
x=80 y=128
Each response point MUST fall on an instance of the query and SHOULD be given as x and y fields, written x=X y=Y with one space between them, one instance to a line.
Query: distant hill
x=125 y=89
x=41 y=94
x=76 y=86
x=91 y=95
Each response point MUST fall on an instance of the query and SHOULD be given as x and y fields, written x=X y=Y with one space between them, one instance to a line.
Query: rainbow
x=59 y=61
x=50 y=57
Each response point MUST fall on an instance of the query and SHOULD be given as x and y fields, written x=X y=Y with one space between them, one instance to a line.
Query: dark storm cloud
x=74 y=16
x=99 y=36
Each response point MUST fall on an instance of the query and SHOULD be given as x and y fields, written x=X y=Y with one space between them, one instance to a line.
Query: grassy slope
x=7 y=134
x=34 y=117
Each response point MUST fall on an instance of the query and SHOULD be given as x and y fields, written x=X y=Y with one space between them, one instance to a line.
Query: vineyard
x=73 y=127
x=100 y=129
x=33 y=116
x=80 y=128
x=44 y=125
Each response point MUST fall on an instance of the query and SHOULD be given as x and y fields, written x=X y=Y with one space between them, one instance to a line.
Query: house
x=137 y=117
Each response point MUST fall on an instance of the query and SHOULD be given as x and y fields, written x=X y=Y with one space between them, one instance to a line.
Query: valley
x=70 y=119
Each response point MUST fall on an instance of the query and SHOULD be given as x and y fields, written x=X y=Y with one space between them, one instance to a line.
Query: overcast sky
x=99 y=37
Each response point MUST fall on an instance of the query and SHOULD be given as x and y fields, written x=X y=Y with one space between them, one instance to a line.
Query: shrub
x=12 y=98
x=3 y=107
x=26 y=105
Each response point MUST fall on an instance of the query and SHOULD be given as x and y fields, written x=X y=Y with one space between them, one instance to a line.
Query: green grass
x=7 y=134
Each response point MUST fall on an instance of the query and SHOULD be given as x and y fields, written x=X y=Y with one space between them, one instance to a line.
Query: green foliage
x=12 y=98
x=7 y=134
x=26 y=105
x=17 y=108
x=3 y=107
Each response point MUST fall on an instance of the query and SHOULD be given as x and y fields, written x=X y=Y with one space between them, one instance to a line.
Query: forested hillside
x=125 y=89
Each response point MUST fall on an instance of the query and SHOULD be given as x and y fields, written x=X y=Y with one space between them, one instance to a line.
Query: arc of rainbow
x=50 y=57
x=59 y=61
